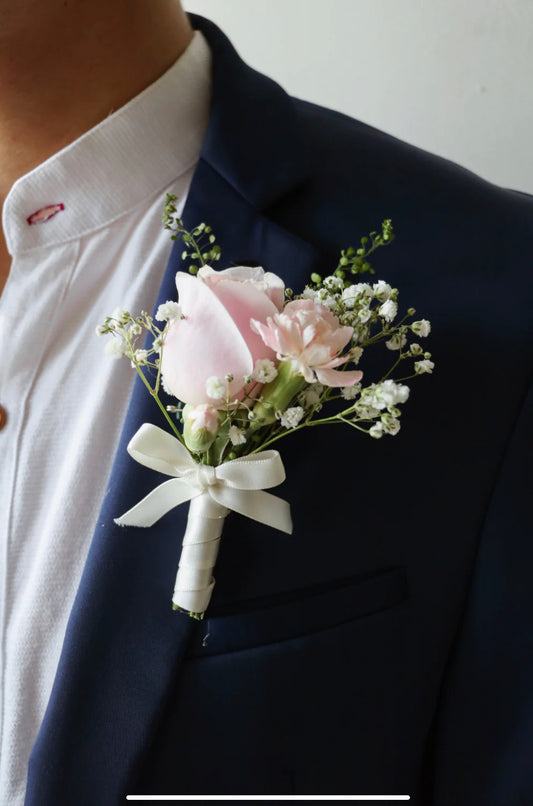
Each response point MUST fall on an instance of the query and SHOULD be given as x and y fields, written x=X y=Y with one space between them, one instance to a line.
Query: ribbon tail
x=257 y=505
x=165 y=497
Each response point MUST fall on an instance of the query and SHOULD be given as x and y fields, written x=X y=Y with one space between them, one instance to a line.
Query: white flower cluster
x=125 y=331
x=264 y=370
x=397 y=341
x=291 y=417
x=135 y=329
x=333 y=283
x=351 y=392
x=116 y=348
x=381 y=400
x=355 y=354
x=385 y=394
x=357 y=305
x=118 y=320
x=357 y=294
x=354 y=294
x=422 y=328
x=236 y=435
x=424 y=366
x=365 y=304
x=168 y=311
x=216 y=388
x=325 y=297
x=141 y=357
x=310 y=397
x=157 y=344
x=388 y=310
x=381 y=290
x=120 y=317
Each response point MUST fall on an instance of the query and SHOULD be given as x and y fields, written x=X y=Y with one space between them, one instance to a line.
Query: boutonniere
x=250 y=362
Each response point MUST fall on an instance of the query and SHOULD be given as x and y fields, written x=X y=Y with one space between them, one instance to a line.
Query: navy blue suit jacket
x=396 y=655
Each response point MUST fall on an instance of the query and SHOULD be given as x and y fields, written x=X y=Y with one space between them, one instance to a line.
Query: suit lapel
x=124 y=644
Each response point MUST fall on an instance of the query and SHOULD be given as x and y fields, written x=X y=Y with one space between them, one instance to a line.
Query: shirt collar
x=128 y=157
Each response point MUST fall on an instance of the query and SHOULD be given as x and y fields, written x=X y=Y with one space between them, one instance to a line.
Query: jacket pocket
x=282 y=617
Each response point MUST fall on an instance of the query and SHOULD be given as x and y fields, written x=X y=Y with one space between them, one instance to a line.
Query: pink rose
x=308 y=335
x=214 y=337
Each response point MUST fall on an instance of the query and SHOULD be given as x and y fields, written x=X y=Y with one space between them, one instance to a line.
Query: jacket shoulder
x=379 y=157
x=358 y=175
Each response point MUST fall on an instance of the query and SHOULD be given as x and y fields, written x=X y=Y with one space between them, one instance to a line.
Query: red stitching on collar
x=45 y=213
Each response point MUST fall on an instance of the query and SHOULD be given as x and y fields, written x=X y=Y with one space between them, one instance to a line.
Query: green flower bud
x=200 y=426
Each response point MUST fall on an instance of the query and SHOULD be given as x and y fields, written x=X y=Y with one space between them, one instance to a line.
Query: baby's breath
x=168 y=311
x=116 y=348
x=248 y=424
x=291 y=417
x=424 y=366
x=422 y=328
x=264 y=370
x=216 y=388
x=237 y=435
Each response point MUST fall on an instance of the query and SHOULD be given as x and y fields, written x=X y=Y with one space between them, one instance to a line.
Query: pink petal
x=243 y=301
x=268 y=335
x=334 y=362
x=309 y=333
x=289 y=336
x=326 y=314
x=242 y=274
x=340 y=338
x=334 y=377
x=205 y=343
x=275 y=289
x=300 y=305
x=317 y=355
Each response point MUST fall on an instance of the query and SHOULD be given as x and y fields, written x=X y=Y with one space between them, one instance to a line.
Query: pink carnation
x=311 y=337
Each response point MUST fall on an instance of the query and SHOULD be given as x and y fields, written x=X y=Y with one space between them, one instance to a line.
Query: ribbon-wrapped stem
x=201 y=541
x=238 y=485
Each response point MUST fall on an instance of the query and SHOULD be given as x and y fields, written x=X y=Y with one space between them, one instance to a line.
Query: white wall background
x=452 y=76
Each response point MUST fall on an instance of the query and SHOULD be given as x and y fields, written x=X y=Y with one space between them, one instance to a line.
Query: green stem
x=182 y=231
x=221 y=452
x=210 y=455
x=354 y=425
x=156 y=398
x=325 y=421
x=407 y=378
x=392 y=368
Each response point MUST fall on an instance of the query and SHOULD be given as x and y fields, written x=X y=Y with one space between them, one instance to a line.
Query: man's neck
x=65 y=66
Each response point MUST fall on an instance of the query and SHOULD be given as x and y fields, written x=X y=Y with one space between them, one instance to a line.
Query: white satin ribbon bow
x=236 y=485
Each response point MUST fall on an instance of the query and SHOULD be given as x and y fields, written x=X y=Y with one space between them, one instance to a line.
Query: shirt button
x=3 y=417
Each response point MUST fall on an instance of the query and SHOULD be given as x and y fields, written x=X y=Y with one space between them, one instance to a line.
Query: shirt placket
x=37 y=283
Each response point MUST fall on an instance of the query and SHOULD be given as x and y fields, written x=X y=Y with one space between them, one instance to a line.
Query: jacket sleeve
x=483 y=742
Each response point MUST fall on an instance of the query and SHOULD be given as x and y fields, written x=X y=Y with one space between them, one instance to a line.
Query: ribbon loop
x=161 y=451
x=259 y=471
x=237 y=485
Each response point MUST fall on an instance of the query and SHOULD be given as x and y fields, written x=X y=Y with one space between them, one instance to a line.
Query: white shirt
x=65 y=400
